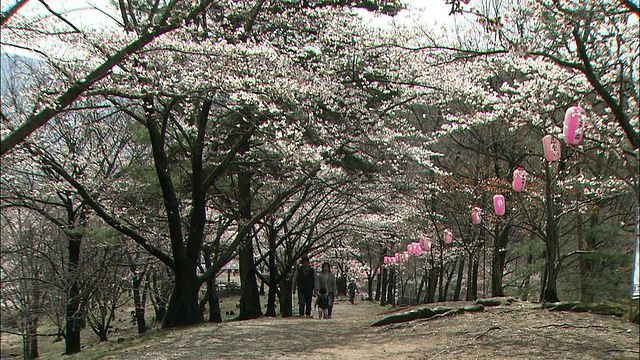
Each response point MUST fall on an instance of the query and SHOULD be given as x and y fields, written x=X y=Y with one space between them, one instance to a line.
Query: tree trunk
x=543 y=283
x=550 y=290
x=421 y=287
x=432 y=285
x=139 y=303
x=30 y=338
x=448 y=280
x=157 y=296
x=286 y=297
x=472 y=278
x=591 y=265
x=183 y=306
x=440 y=286
x=273 y=272
x=341 y=282
x=161 y=312
x=370 y=285
x=271 y=298
x=249 y=295
x=102 y=333
x=498 y=260
x=441 y=293
x=527 y=280
x=584 y=296
x=378 y=286
x=391 y=299
x=552 y=249
x=385 y=284
x=215 y=315
x=73 y=313
x=456 y=292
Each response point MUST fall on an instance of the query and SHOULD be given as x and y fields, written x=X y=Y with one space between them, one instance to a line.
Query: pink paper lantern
x=397 y=257
x=519 y=179
x=410 y=249
x=574 y=123
x=426 y=244
x=499 y=204
x=551 y=148
x=418 y=249
x=448 y=236
x=476 y=217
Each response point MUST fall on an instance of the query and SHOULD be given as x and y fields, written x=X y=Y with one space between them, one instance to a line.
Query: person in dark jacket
x=305 y=281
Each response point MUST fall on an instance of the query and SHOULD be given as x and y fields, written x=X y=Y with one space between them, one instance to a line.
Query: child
x=322 y=302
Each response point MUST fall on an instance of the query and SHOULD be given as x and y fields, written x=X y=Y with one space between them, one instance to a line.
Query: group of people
x=323 y=285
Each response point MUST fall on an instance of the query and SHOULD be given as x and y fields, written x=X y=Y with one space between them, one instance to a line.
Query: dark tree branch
x=35 y=121
x=240 y=236
x=220 y=168
x=102 y=212
x=557 y=60
x=161 y=161
x=601 y=90
x=125 y=18
x=49 y=9
x=6 y=15
x=632 y=6
x=251 y=18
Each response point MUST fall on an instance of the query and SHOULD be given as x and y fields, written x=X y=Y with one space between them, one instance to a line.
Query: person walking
x=305 y=281
x=352 y=287
x=327 y=281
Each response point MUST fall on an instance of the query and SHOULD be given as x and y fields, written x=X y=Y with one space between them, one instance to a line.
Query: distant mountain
x=13 y=69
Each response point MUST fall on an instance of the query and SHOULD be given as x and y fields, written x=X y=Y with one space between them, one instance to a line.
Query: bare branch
x=75 y=28
x=37 y=120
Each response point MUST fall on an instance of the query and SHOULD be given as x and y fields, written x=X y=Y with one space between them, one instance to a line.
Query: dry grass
x=519 y=331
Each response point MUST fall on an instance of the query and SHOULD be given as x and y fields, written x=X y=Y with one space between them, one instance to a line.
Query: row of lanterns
x=573 y=131
x=416 y=248
x=499 y=202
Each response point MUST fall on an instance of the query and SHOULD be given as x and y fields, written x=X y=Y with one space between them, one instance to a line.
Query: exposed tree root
x=495 y=327
x=497 y=301
x=571 y=326
x=600 y=309
x=426 y=314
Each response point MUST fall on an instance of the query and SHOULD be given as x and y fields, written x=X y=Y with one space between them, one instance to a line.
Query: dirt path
x=517 y=332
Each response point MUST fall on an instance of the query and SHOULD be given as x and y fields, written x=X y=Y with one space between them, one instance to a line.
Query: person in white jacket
x=327 y=281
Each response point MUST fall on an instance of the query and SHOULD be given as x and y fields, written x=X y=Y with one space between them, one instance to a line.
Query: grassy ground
x=518 y=331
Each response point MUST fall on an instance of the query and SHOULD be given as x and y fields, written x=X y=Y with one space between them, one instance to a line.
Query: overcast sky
x=80 y=12
x=418 y=11
x=83 y=14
